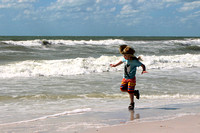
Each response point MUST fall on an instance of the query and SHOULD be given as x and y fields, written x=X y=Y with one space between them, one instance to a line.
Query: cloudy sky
x=100 y=17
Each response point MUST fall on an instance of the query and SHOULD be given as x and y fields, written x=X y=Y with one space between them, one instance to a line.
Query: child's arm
x=144 y=69
x=114 y=65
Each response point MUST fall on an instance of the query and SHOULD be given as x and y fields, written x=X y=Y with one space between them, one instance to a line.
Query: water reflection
x=134 y=116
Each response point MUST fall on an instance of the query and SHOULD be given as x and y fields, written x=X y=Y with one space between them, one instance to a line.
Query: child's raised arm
x=144 y=69
x=114 y=65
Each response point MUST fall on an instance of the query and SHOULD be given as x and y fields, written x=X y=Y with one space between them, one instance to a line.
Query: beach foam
x=174 y=96
x=90 y=65
x=73 y=112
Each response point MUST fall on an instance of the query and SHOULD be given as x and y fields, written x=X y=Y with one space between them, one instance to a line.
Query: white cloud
x=97 y=10
x=179 y=1
x=171 y=0
x=62 y=4
x=113 y=9
x=193 y=16
x=190 y=6
x=125 y=1
x=98 y=1
x=89 y=9
x=22 y=1
x=27 y=12
x=6 y=1
x=128 y=10
x=16 y=4
x=5 y=5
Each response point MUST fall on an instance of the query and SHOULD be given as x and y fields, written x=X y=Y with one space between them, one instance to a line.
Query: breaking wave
x=65 y=42
x=27 y=43
x=77 y=66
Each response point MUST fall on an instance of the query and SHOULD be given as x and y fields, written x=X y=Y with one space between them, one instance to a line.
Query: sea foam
x=90 y=65
x=73 y=112
x=28 y=43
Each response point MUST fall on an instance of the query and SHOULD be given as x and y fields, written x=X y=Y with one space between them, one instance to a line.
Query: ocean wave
x=174 y=96
x=28 y=43
x=145 y=96
x=193 y=48
x=73 y=112
x=187 y=42
x=102 y=95
x=40 y=97
x=78 y=66
x=173 y=61
x=37 y=97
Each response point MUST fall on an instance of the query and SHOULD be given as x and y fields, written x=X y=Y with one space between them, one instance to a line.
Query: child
x=130 y=66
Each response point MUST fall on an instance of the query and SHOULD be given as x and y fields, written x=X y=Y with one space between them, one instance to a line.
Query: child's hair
x=125 y=49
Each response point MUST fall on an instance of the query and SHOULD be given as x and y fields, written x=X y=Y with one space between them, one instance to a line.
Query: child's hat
x=125 y=49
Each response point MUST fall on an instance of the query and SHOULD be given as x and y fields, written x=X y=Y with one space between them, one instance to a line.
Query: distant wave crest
x=27 y=43
x=65 y=42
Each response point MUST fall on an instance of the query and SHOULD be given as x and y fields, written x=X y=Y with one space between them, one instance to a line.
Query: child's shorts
x=128 y=85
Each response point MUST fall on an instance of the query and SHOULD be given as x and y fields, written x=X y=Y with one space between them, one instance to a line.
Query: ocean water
x=65 y=84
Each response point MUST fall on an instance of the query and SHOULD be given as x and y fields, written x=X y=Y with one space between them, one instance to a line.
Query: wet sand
x=184 y=124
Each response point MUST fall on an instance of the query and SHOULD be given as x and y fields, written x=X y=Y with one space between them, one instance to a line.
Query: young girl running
x=130 y=66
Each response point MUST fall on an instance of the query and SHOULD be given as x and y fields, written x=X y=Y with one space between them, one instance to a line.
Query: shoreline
x=183 y=124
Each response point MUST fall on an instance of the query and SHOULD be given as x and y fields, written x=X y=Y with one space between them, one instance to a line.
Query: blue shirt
x=130 y=67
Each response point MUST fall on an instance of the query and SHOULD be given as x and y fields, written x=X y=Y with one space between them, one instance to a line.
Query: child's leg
x=131 y=95
x=132 y=104
x=131 y=89
x=128 y=85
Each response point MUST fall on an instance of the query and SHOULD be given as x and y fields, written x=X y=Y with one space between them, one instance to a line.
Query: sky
x=100 y=17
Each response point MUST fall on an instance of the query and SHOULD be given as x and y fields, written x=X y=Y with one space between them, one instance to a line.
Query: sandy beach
x=184 y=124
